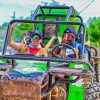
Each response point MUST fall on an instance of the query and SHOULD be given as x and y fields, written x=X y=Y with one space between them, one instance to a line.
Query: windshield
x=47 y=36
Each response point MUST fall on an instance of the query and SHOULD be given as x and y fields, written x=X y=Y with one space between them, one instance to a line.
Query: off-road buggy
x=29 y=77
x=94 y=60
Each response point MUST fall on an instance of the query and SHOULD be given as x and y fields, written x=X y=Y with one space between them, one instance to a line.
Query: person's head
x=68 y=36
x=36 y=37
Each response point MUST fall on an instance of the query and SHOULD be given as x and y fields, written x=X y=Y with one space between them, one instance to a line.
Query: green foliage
x=0 y=27
x=4 y=26
x=21 y=29
x=93 y=29
x=52 y=3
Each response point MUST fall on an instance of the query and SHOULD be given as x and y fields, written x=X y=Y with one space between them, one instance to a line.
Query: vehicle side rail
x=49 y=59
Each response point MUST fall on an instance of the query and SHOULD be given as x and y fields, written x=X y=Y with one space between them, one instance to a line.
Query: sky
x=24 y=7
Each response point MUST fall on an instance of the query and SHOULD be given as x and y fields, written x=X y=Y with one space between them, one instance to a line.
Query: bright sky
x=24 y=7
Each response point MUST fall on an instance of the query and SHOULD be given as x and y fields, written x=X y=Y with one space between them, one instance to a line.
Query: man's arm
x=16 y=46
x=43 y=51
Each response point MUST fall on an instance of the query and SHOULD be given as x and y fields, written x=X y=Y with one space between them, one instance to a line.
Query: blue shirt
x=70 y=52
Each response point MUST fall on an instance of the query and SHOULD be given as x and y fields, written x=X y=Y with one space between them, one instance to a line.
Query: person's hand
x=42 y=52
x=13 y=25
x=54 y=37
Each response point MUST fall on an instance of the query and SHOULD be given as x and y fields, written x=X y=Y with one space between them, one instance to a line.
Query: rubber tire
x=93 y=92
x=62 y=94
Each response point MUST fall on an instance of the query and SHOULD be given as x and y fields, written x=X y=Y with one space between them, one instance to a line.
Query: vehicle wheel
x=62 y=51
x=59 y=92
x=93 y=92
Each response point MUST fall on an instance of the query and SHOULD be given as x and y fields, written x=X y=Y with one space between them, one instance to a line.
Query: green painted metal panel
x=2 y=60
x=27 y=67
x=76 y=90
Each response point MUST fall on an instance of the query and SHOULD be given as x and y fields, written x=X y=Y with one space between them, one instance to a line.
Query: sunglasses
x=71 y=36
x=36 y=37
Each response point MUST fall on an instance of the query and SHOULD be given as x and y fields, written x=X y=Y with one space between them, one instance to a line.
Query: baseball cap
x=70 y=30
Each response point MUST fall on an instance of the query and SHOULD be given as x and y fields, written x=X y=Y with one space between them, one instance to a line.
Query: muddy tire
x=61 y=95
x=93 y=92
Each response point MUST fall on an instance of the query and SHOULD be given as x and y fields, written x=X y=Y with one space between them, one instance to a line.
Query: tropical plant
x=21 y=29
x=52 y=3
x=93 y=29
